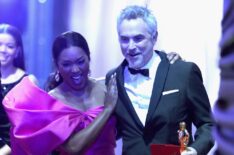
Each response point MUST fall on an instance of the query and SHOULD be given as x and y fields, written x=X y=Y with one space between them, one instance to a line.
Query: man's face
x=136 y=42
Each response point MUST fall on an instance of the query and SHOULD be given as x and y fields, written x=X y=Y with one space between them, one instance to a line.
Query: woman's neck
x=6 y=71
x=82 y=93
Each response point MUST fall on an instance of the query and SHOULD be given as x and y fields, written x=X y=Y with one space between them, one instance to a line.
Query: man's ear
x=155 y=36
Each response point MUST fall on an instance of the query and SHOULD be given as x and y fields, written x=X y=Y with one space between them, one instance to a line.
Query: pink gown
x=41 y=123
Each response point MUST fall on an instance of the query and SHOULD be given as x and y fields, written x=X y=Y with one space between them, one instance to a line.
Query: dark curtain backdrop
x=14 y=12
x=46 y=20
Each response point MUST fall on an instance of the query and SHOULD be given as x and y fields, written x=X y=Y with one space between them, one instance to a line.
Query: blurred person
x=154 y=96
x=224 y=107
x=12 y=72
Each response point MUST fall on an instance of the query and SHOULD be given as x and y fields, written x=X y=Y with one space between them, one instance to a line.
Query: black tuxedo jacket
x=189 y=103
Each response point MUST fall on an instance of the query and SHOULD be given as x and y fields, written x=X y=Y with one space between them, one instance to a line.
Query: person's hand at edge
x=189 y=151
x=5 y=150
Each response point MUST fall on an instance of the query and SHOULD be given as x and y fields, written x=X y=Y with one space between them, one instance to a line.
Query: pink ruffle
x=40 y=123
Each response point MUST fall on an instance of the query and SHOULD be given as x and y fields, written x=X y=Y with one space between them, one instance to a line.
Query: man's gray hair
x=134 y=12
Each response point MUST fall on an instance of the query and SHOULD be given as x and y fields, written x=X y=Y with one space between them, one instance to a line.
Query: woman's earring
x=89 y=73
x=57 y=76
x=17 y=52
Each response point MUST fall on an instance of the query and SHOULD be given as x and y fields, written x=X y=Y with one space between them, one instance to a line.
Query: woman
x=75 y=117
x=12 y=70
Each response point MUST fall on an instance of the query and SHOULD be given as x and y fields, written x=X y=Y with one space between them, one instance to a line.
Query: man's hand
x=189 y=151
x=173 y=57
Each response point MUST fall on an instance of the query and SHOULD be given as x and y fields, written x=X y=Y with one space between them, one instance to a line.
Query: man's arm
x=200 y=112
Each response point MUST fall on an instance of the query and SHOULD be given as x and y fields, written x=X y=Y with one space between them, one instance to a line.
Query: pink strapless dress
x=41 y=123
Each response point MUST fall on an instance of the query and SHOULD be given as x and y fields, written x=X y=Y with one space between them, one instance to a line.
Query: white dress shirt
x=139 y=87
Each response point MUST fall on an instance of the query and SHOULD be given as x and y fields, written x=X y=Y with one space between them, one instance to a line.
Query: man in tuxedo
x=154 y=95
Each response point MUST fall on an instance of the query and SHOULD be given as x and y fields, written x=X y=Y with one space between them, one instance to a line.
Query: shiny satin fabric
x=41 y=123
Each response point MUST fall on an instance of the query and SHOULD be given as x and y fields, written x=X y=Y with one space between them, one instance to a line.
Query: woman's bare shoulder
x=99 y=83
x=56 y=92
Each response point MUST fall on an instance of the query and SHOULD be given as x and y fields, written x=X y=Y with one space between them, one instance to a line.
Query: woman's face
x=8 y=49
x=73 y=65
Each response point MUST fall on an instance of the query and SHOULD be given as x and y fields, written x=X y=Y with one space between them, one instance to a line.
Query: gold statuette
x=183 y=136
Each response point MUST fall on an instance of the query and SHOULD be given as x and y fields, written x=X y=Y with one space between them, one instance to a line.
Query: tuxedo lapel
x=159 y=82
x=124 y=96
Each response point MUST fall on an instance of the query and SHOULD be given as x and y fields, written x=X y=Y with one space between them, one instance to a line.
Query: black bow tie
x=144 y=72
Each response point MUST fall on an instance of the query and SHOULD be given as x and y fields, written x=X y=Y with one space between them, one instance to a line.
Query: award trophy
x=171 y=149
x=183 y=136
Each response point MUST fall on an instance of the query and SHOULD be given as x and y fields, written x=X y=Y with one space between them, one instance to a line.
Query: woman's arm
x=79 y=141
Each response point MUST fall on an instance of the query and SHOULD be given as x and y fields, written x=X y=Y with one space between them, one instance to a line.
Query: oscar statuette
x=183 y=136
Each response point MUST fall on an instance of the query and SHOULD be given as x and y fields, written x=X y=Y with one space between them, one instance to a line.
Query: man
x=151 y=106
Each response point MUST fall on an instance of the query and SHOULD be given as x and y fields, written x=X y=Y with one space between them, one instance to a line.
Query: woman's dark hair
x=61 y=42
x=15 y=33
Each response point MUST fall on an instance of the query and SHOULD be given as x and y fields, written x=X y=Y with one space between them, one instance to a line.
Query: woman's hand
x=112 y=93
